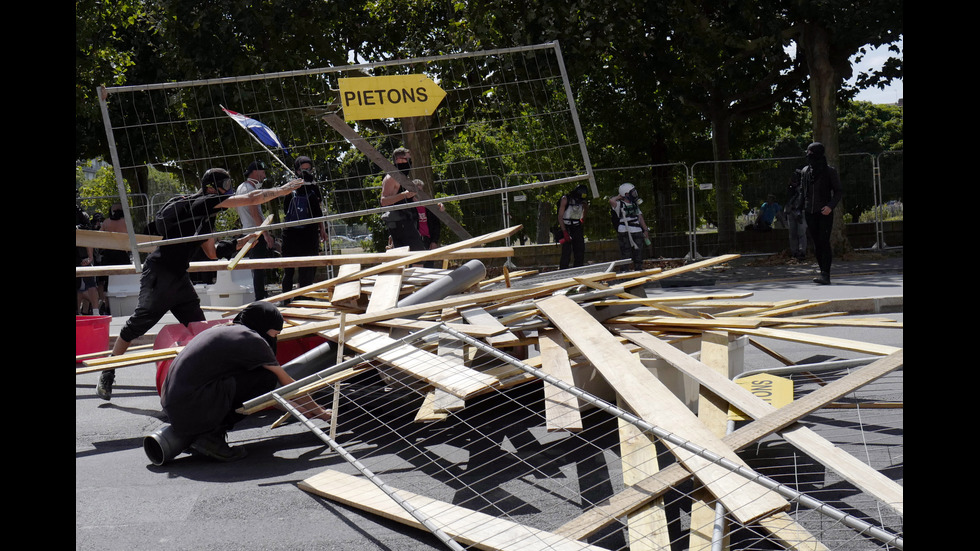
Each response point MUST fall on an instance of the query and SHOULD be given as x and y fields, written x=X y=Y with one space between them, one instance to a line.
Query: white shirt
x=245 y=213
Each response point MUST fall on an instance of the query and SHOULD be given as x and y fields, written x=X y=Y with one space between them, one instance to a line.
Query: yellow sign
x=776 y=391
x=389 y=97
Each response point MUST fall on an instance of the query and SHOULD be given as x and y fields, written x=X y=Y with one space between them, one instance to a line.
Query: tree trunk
x=724 y=194
x=825 y=81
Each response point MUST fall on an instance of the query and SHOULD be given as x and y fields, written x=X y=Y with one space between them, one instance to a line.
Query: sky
x=874 y=59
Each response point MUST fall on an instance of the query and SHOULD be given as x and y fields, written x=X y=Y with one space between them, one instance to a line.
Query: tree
x=829 y=34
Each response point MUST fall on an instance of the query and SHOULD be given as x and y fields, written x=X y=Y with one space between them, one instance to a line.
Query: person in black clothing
x=304 y=240
x=402 y=224
x=165 y=285
x=220 y=369
x=822 y=191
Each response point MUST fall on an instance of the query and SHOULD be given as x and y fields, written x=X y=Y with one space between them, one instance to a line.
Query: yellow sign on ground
x=389 y=97
x=776 y=391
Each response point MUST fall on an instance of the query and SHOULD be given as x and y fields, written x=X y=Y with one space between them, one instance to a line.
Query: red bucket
x=91 y=334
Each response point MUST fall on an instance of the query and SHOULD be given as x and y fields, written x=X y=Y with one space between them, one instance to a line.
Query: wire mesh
x=496 y=462
x=506 y=114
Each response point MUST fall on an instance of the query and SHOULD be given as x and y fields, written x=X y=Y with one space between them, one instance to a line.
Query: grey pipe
x=312 y=361
x=165 y=444
x=458 y=280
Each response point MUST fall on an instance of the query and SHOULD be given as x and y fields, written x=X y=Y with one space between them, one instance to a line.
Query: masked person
x=402 y=224
x=165 y=285
x=220 y=369
x=571 y=222
x=302 y=240
x=631 y=230
x=822 y=191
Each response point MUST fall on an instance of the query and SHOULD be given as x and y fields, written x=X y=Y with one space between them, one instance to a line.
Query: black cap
x=253 y=166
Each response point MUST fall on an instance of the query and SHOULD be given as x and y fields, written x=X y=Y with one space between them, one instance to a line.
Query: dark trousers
x=819 y=227
x=574 y=247
x=260 y=250
x=162 y=291
x=406 y=234
x=632 y=250
x=301 y=241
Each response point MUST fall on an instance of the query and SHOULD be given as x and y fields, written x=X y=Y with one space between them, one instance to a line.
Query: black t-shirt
x=198 y=391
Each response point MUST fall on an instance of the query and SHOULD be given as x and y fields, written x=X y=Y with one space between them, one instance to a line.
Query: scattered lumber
x=603 y=328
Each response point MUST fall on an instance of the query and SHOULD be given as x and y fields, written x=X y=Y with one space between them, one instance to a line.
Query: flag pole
x=257 y=140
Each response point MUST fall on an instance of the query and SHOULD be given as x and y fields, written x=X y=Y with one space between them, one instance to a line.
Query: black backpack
x=177 y=219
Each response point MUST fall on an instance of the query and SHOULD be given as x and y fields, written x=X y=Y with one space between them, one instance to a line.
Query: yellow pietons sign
x=389 y=97
x=776 y=391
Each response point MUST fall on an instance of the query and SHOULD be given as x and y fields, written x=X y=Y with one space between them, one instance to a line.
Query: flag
x=263 y=133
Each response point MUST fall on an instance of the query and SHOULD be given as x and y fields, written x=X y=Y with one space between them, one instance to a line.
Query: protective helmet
x=217 y=178
x=624 y=189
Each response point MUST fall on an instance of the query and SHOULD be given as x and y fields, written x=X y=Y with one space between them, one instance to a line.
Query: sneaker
x=823 y=279
x=213 y=445
x=104 y=388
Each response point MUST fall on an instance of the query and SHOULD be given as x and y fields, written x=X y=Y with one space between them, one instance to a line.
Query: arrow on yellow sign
x=389 y=97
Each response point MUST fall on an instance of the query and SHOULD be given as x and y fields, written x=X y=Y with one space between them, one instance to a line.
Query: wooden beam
x=653 y=402
x=116 y=241
x=469 y=527
x=629 y=499
x=817 y=447
x=561 y=409
x=305 y=261
x=377 y=158
x=417 y=257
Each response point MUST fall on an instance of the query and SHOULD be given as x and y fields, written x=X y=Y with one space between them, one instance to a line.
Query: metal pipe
x=291 y=387
x=785 y=491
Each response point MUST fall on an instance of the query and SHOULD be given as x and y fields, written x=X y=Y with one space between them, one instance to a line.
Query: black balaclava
x=404 y=166
x=816 y=156
x=260 y=317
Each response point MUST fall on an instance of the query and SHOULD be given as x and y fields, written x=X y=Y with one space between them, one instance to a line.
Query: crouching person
x=217 y=372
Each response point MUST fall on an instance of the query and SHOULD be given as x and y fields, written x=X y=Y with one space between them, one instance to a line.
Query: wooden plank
x=713 y=412
x=387 y=290
x=416 y=258
x=479 y=316
x=647 y=526
x=306 y=261
x=116 y=241
x=629 y=499
x=346 y=294
x=253 y=238
x=817 y=447
x=652 y=401
x=458 y=380
x=561 y=409
x=819 y=340
x=466 y=526
x=485 y=297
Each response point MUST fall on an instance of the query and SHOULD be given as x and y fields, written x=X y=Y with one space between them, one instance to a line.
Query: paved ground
x=123 y=502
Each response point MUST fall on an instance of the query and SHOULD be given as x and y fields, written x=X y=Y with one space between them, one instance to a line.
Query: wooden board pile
x=595 y=327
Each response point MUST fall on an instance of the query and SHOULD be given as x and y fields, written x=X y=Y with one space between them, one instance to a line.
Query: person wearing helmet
x=218 y=370
x=822 y=191
x=571 y=221
x=165 y=285
x=631 y=231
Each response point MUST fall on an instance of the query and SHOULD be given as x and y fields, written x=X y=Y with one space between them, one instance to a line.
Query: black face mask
x=261 y=317
x=405 y=167
x=115 y=214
